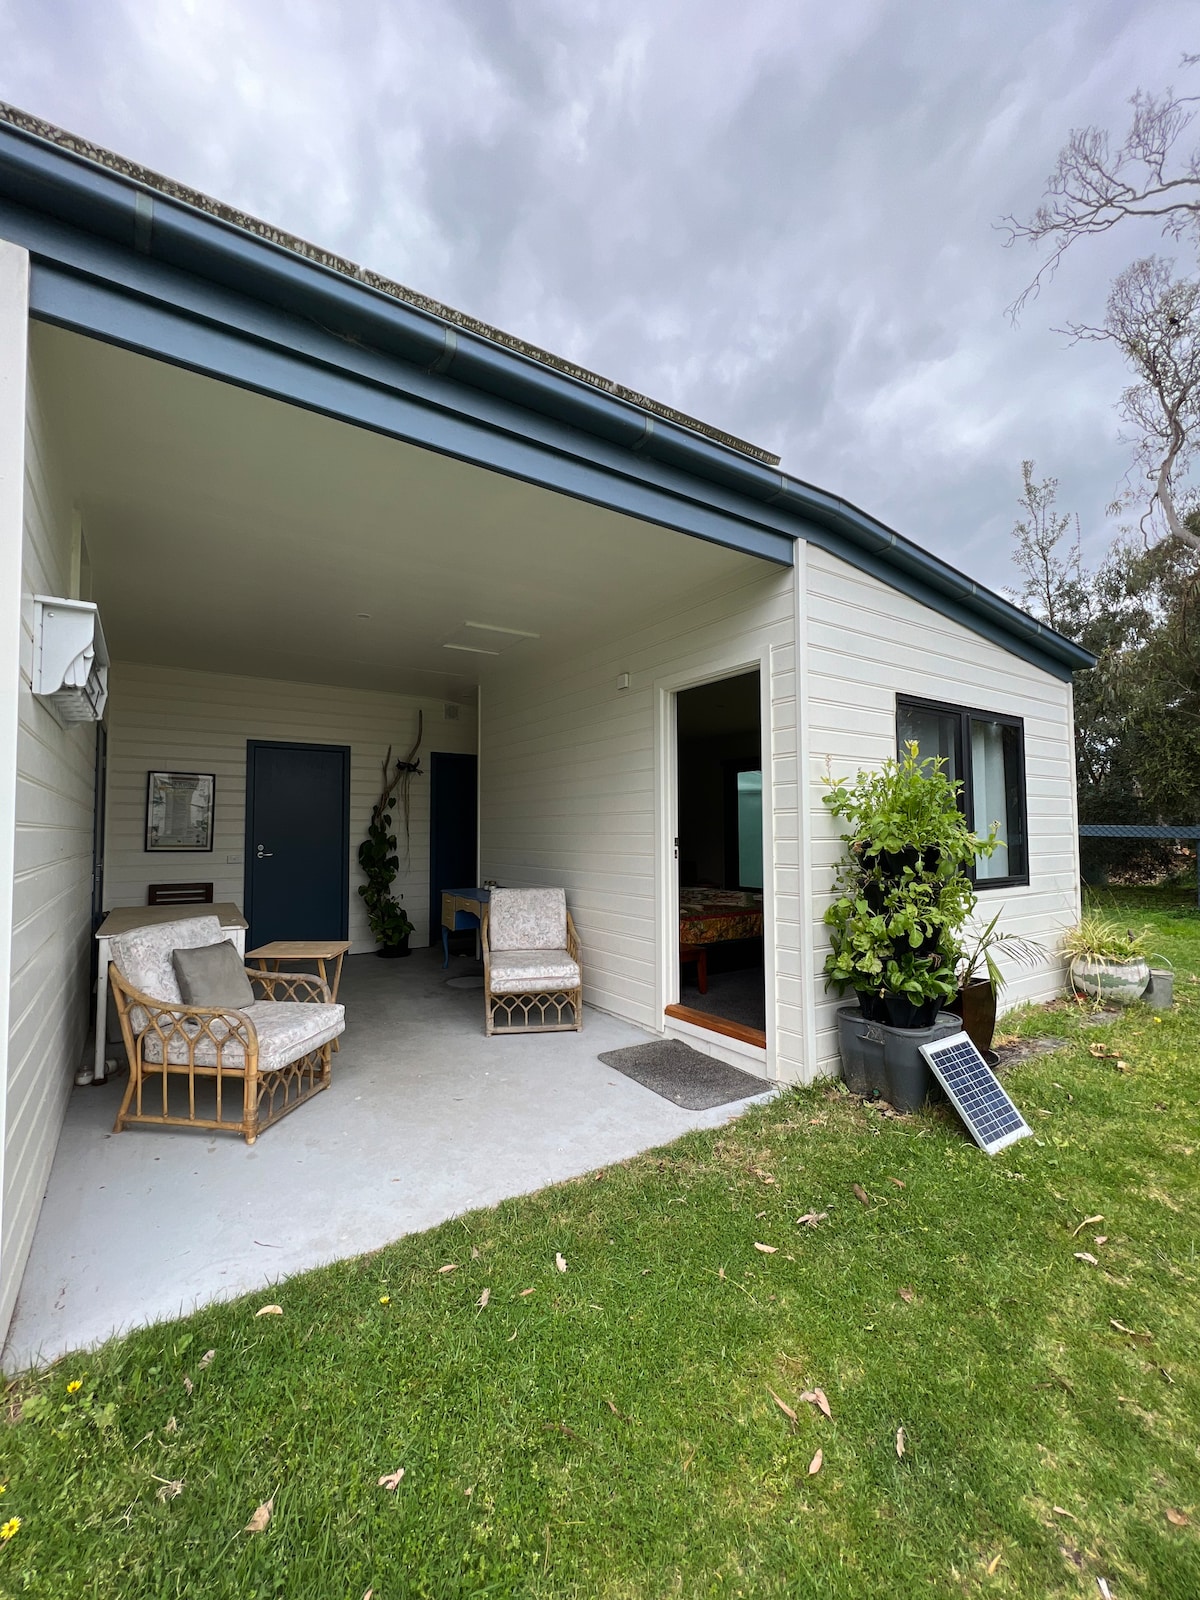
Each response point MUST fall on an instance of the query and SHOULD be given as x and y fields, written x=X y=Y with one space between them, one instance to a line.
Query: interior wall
x=569 y=780
x=171 y=719
x=702 y=800
x=865 y=644
x=51 y=937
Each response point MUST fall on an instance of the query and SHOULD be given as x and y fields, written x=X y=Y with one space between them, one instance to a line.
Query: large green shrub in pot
x=902 y=894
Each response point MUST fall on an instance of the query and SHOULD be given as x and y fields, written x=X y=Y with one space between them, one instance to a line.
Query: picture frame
x=180 y=807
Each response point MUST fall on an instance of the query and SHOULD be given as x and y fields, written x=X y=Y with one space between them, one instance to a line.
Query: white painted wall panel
x=170 y=719
x=569 y=781
x=866 y=643
x=49 y=996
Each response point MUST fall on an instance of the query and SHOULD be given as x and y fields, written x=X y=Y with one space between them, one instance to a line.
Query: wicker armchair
x=532 y=974
x=236 y=1070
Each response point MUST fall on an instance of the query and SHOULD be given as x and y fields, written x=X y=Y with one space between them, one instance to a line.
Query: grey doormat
x=688 y=1077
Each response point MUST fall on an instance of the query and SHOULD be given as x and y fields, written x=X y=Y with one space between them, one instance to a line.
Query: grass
x=613 y=1433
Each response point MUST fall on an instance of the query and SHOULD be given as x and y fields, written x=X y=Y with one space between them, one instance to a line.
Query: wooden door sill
x=731 y=1030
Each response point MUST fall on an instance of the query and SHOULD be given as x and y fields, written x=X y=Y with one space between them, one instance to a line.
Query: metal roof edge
x=93 y=190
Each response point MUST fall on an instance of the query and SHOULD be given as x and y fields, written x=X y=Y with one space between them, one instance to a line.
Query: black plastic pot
x=901 y=1012
x=392 y=952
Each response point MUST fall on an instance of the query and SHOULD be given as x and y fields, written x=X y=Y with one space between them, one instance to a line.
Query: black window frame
x=966 y=793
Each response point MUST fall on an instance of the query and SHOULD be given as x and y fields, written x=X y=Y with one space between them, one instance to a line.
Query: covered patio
x=425 y=1119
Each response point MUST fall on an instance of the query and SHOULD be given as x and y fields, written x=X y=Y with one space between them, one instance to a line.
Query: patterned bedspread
x=714 y=916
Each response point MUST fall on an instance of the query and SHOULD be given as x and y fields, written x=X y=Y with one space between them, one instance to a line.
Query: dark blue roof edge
x=41 y=175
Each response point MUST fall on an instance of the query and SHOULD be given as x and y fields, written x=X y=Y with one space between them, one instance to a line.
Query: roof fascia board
x=761 y=510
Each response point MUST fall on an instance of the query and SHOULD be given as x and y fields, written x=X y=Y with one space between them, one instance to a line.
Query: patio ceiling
x=234 y=533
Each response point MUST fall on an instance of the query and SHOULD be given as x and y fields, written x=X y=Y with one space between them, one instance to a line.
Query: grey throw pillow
x=212 y=975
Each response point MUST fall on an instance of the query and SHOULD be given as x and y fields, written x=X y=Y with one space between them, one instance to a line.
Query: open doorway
x=722 y=983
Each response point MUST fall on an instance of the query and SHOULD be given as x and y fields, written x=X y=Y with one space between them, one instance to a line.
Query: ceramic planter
x=1119 y=981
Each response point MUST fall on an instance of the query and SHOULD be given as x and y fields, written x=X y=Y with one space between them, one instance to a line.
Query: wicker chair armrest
x=485 y=948
x=297 y=985
x=239 y=1024
x=572 y=939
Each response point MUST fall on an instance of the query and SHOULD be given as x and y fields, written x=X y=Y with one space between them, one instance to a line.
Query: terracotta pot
x=976 y=1005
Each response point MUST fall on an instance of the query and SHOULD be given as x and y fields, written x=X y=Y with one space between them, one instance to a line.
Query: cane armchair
x=236 y=1069
x=532 y=973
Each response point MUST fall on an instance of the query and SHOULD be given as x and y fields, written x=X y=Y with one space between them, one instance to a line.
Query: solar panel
x=983 y=1105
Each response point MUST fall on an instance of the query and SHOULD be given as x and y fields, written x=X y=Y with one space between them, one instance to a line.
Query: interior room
x=721 y=975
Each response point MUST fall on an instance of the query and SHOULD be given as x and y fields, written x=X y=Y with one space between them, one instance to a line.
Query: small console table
x=461 y=908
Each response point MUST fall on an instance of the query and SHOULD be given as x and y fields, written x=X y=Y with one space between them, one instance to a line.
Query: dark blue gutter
x=115 y=260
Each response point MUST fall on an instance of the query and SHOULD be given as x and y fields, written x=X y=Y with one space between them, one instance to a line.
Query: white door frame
x=666 y=771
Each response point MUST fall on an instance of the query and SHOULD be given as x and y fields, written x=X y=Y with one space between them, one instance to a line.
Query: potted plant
x=378 y=858
x=980 y=979
x=1107 y=961
x=901 y=899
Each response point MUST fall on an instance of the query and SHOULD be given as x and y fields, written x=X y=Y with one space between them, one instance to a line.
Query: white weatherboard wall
x=570 y=774
x=52 y=871
x=170 y=719
x=865 y=644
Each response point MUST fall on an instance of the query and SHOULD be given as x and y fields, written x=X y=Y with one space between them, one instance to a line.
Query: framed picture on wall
x=179 y=810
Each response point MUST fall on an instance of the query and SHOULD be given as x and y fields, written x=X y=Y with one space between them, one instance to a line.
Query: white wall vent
x=70 y=658
x=449 y=711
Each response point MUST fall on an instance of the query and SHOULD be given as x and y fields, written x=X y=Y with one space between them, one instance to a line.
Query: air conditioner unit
x=70 y=658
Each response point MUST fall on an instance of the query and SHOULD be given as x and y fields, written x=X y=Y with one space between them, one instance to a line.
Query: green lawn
x=614 y=1432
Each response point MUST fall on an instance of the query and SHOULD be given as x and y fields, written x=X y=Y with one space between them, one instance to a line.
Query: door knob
x=264 y=853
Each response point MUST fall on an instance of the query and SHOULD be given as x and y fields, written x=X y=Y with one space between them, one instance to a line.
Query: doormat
x=685 y=1076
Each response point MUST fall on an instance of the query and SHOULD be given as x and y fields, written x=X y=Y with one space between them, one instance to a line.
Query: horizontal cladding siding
x=49 y=992
x=866 y=644
x=569 y=774
x=172 y=719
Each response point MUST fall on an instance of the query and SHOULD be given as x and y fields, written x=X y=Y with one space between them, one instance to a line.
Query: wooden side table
x=270 y=958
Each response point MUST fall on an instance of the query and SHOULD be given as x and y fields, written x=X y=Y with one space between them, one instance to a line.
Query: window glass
x=989 y=793
x=749 y=830
x=935 y=733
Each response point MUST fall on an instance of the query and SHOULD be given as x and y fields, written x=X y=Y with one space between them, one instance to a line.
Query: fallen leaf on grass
x=1178 y=1519
x=1086 y=1255
x=261 y=1517
x=561 y=1427
x=1086 y=1223
x=206 y=1360
x=1105 y=1591
x=721 y=1273
x=187 y=1383
x=172 y=1487
x=994 y=1563
x=1129 y=1332
x=907 y=1295
x=767 y=1249
x=817 y=1462
x=811 y=1218
x=861 y=1194
x=897 y=1181
x=1100 y=1051
x=484 y=1298
x=619 y=1414
x=269 y=1311
x=451 y=1266
x=523 y=1293
x=172 y=1426
x=816 y=1397
x=1061 y=1511
x=560 y=1262
x=900 y=1443
x=391 y=1480
x=782 y=1404
x=474 y=1252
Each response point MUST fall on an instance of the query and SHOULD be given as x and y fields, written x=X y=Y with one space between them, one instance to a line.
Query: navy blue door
x=297 y=841
x=453 y=791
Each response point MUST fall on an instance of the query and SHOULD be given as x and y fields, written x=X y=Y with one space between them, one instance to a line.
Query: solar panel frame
x=990 y=1116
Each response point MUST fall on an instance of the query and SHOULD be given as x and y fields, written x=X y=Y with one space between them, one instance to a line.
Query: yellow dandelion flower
x=385 y=1299
x=1158 y=1020
x=75 y=1383
x=10 y=1527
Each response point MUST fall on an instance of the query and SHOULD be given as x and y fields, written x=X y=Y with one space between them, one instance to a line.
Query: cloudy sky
x=778 y=215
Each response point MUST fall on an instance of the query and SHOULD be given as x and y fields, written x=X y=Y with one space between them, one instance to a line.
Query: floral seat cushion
x=286 y=1029
x=532 y=971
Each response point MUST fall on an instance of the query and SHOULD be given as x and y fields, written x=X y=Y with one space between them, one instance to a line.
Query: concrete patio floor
x=426 y=1118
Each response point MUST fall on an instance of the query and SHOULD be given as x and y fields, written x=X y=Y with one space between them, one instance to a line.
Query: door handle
x=264 y=853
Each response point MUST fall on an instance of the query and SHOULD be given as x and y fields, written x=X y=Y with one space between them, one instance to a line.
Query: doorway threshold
x=713 y=1024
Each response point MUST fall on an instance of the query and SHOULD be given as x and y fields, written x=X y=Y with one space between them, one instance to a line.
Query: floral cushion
x=143 y=955
x=527 y=919
x=532 y=971
x=286 y=1029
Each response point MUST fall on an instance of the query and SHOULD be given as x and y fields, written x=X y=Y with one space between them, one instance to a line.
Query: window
x=985 y=753
x=743 y=824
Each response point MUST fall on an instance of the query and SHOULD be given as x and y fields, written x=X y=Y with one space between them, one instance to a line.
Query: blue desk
x=461 y=908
